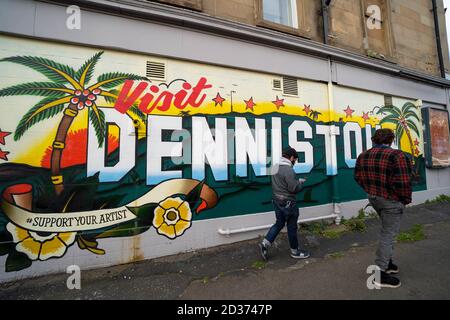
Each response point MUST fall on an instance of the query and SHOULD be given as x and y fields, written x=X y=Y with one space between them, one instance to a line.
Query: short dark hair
x=290 y=152
x=383 y=136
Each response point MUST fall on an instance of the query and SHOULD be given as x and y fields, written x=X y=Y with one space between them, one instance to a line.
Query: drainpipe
x=334 y=131
x=324 y=11
x=438 y=39
x=227 y=232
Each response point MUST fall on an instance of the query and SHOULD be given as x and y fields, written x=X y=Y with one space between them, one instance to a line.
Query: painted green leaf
x=45 y=66
x=17 y=261
x=97 y=251
x=390 y=119
x=137 y=112
x=110 y=99
x=413 y=126
x=113 y=79
x=389 y=110
x=88 y=69
x=143 y=222
x=399 y=133
x=6 y=248
x=99 y=124
x=6 y=243
x=408 y=106
x=90 y=245
x=144 y=212
x=35 y=88
x=411 y=114
x=31 y=118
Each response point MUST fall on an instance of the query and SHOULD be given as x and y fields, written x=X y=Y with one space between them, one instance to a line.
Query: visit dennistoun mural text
x=92 y=148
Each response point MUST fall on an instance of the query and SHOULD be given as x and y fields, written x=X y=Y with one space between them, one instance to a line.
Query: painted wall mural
x=109 y=153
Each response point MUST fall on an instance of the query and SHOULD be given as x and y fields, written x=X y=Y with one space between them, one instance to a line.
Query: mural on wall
x=127 y=154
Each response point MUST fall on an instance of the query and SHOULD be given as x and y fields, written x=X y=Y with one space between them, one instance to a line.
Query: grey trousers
x=390 y=212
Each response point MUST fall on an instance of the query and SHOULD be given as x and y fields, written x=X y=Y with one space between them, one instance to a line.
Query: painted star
x=249 y=104
x=348 y=111
x=365 y=116
x=218 y=100
x=307 y=108
x=416 y=142
x=278 y=103
x=3 y=155
x=3 y=134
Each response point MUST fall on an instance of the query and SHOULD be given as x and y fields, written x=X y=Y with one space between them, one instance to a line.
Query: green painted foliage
x=89 y=65
x=99 y=124
x=116 y=78
x=45 y=66
x=49 y=89
x=31 y=117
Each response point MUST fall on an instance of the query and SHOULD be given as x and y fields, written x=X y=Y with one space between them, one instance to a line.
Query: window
x=281 y=11
x=283 y=15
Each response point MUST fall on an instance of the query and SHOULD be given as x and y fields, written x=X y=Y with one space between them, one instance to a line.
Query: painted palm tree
x=404 y=121
x=184 y=113
x=69 y=93
x=314 y=114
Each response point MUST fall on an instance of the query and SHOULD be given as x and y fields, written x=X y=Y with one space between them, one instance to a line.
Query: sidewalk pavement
x=336 y=269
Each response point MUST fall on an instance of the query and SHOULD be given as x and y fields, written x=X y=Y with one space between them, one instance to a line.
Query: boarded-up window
x=437 y=140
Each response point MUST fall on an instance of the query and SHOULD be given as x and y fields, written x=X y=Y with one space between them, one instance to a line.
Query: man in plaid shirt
x=385 y=174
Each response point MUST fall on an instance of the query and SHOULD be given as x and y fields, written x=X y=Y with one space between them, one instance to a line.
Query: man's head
x=383 y=136
x=290 y=154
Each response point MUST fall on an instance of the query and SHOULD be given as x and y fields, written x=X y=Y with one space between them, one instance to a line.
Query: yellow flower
x=172 y=217
x=38 y=246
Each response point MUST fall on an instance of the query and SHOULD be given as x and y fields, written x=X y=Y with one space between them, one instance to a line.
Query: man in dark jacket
x=285 y=186
x=385 y=174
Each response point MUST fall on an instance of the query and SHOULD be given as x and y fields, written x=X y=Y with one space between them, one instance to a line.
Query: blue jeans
x=286 y=212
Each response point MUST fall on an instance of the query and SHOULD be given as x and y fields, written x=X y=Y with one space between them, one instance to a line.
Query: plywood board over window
x=437 y=137
x=283 y=15
x=377 y=25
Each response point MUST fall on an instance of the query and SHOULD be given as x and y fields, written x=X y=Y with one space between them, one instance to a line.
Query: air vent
x=276 y=84
x=387 y=100
x=156 y=70
x=290 y=86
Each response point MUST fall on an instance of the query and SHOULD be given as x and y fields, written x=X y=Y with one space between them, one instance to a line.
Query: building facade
x=134 y=129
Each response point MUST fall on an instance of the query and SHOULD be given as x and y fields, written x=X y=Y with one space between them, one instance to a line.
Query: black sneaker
x=300 y=254
x=264 y=251
x=392 y=268
x=387 y=281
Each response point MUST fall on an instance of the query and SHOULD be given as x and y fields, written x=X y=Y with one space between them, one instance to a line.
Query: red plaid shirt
x=384 y=172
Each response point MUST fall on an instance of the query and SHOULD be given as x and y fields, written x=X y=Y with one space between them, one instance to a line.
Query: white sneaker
x=300 y=254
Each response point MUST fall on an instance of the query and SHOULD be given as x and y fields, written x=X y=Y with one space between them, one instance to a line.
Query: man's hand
x=301 y=180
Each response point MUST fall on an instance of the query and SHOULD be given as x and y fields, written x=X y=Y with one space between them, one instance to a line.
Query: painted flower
x=172 y=217
x=39 y=245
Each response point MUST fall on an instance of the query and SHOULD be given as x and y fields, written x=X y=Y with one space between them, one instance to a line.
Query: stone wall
x=406 y=37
